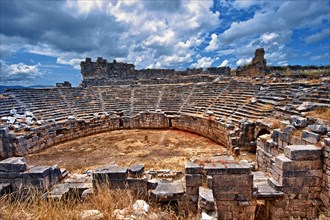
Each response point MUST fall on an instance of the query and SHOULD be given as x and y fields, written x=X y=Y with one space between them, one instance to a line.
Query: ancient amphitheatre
x=250 y=145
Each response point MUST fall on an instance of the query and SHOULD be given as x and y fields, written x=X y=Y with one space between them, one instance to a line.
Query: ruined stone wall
x=102 y=69
x=15 y=175
x=256 y=68
x=227 y=191
x=325 y=184
x=102 y=72
x=53 y=133
x=56 y=132
x=146 y=120
x=206 y=127
x=298 y=168
x=297 y=173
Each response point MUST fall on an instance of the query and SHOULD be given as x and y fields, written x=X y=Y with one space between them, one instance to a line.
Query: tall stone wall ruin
x=102 y=72
x=256 y=68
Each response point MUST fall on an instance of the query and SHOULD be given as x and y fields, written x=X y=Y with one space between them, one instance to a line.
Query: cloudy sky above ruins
x=43 y=42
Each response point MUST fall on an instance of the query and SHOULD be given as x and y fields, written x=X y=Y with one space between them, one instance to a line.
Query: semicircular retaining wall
x=39 y=138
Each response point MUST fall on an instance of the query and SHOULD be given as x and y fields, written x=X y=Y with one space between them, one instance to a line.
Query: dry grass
x=313 y=81
x=317 y=72
x=321 y=113
x=106 y=201
x=298 y=133
x=266 y=107
x=288 y=72
x=275 y=123
x=248 y=100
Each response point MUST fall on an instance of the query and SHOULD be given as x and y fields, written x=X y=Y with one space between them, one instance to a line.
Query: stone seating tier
x=225 y=99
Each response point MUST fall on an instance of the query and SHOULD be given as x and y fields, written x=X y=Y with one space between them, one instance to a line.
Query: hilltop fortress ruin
x=253 y=112
x=102 y=73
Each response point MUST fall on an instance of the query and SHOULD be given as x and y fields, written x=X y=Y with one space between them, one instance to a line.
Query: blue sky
x=43 y=42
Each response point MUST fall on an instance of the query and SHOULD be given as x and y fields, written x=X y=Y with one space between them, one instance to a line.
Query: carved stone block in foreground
x=14 y=171
x=13 y=164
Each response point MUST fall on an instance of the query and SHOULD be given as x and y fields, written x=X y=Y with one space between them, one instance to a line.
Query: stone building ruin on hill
x=102 y=72
x=256 y=68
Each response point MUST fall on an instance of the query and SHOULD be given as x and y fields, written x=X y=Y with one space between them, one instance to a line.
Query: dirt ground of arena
x=157 y=149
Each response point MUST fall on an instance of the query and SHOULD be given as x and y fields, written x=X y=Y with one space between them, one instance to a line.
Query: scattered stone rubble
x=291 y=180
x=16 y=175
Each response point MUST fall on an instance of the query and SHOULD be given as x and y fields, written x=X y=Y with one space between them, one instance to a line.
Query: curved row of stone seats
x=8 y=103
x=173 y=96
x=288 y=96
x=152 y=81
x=313 y=93
x=178 y=80
x=116 y=98
x=44 y=103
x=145 y=98
x=230 y=99
x=82 y=102
x=201 y=97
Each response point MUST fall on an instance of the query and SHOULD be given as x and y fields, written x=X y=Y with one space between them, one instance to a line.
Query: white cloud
x=320 y=57
x=224 y=63
x=285 y=16
x=164 y=32
x=318 y=36
x=245 y=4
x=203 y=62
x=75 y=62
x=164 y=35
x=213 y=45
x=243 y=61
x=19 y=72
x=268 y=37
x=166 y=38
x=225 y=52
x=84 y=6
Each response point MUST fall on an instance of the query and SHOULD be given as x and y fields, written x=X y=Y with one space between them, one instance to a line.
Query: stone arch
x=261 y=131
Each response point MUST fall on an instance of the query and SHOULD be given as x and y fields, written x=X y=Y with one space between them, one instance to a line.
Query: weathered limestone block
x=193 y=168
x=226 y=168
x=289 y=129
x=206 y=199
x=136 y=170
x=327 y=142
x=193 y=180
x=113 y=176
x=68 y=190
x=39 y=176
x=138 y=185
x=310 y=137
x=298 y=121
x=284 y=163
x=168 y=191
x=13 y=178
x=13 y=164
x=319 y=127
x=298 y=174
x=5 y=188
x=275 y=135
x=302 y=152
